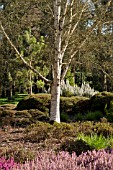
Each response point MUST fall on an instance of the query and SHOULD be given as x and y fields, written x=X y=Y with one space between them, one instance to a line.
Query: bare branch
x=21 y=57
x=75 y=52
x=64 y=16
x=75 y=26
x=70 y=32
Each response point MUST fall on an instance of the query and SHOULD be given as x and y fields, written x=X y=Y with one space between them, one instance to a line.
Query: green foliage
x=95 y=141
x=9 y=76
x=93 y=116
x=37 y=115
x=66 y=93
x=67 y=104
x=41 y=131
x=40 y=84
x=64 y=117
x=42 y=103
x=70 y=77
x=86 y=127
x=79 y=117
x=38 y=105
x=29 y=44
x=98 y=106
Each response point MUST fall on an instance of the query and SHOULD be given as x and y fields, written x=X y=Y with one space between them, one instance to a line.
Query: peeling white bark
x=55 y=92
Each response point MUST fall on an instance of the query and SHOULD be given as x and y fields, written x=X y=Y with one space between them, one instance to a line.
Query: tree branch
x=75 y=52
x=70 y=32
x=21 y=57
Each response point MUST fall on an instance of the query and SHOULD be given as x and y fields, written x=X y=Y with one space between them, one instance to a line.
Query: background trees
x=76 y=34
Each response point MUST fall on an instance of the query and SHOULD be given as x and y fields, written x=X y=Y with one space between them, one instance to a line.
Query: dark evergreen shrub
x=72 y=145
x=101 y=101
x=82 y=106
x=36 y=101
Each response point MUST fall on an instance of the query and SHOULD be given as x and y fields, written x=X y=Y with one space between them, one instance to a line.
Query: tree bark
x=55 y=89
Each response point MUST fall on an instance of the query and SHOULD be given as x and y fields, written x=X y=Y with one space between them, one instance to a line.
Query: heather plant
x=75 y=145
x=84 y=90
x=7 y=164
x=104 y=128
x=38 y=132
x=42 y=131
x=91 y=160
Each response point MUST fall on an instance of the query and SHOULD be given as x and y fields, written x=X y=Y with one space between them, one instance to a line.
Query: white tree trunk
x=55 y=91
x=55 y=100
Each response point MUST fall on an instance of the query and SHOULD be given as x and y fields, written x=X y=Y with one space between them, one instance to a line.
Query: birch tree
x=67 y=15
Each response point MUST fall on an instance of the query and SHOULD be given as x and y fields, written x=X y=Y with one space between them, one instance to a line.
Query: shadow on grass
x=14 y=100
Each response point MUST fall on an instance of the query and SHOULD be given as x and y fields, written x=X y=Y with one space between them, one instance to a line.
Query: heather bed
x=95 y=160
x=57 y=151
x=33 y=143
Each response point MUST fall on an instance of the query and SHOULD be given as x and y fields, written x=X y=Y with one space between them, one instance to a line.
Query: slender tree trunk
x=10 y=91
x=30 y=79
x=55 y=89
x=105 y=82
x=55 y=101
x=35 y=86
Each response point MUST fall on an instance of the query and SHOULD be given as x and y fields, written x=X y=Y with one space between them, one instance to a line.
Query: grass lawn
x=15 y=99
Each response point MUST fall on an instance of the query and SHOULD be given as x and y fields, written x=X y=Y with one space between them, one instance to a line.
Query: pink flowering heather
x=95 y=160
x=7 y=164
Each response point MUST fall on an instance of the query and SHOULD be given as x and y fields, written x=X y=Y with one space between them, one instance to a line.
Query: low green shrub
x=89 y=116
x=78 y=117
x=95 y=141
x=21 y=119
x=93 y=116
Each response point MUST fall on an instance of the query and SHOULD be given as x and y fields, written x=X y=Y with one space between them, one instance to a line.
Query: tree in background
x=68 y=18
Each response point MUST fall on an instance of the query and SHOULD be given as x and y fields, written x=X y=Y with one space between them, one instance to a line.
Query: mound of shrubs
x=71 y=106
x=64 y=136
x=37 y=107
